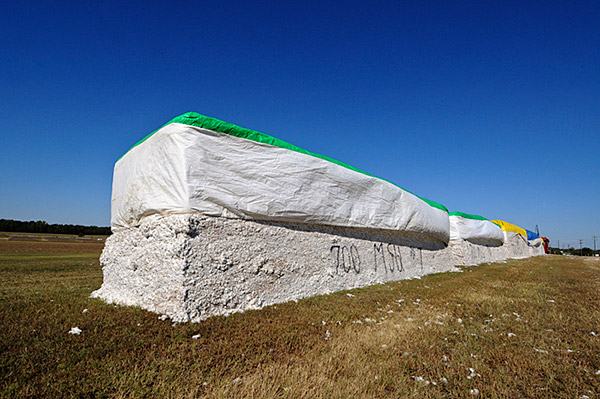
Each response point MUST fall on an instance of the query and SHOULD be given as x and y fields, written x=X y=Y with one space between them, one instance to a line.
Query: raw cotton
x=190 y=267
x=467 y=253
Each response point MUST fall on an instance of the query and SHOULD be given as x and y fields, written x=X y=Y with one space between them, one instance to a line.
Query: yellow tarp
x=505 y=226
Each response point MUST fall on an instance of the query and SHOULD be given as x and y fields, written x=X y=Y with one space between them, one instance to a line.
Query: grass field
x=528 y=328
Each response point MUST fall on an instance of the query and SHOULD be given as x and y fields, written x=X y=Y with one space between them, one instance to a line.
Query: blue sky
x=492 y=109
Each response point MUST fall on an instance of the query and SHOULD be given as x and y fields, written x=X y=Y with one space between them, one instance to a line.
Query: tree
x=40 y=226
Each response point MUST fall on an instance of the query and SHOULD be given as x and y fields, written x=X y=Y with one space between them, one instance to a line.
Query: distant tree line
x=40 y=226
x=585 y=251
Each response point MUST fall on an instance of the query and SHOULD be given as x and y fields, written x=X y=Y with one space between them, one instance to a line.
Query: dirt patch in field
x=49 y=245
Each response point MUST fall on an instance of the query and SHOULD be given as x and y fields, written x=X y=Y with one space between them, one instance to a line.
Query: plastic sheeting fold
x=509 y=227
x=531 y=235
x=184 y=169
x=474 y=228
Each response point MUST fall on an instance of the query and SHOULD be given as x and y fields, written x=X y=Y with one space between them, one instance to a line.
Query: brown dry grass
x=17 y=243
x=374 y=344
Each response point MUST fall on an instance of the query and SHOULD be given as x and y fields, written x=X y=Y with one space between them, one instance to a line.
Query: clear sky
x=490 y=108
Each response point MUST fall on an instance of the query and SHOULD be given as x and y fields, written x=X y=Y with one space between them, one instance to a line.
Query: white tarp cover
x=474 y=228
x=516 y=245
x=536 y=246
x=535 y=243
x=183 y=168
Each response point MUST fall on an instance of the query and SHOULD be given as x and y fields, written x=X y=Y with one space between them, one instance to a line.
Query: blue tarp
x=531 y=235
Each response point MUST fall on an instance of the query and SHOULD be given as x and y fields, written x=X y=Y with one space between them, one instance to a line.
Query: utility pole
x=580 y=248
x=595 y=244
x=559 y=245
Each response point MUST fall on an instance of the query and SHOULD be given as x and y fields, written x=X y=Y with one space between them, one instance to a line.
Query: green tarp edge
x=206 y=122
x=467 y=215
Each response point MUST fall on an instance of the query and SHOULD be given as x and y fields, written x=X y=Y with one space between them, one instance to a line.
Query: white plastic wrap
x=474 y=230
x=536 y=247
x=185 y=169
x=516 y=245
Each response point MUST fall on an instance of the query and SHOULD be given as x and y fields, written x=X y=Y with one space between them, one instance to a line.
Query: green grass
x=315 y=348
